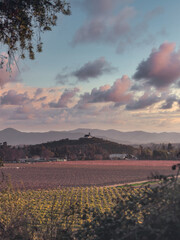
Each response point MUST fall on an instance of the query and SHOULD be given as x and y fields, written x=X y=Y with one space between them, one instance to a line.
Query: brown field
x=83 y=173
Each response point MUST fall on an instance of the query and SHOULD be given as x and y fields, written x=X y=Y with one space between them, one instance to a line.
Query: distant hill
x=111 y=147
x=15 y=137
x=81 y=149
x=135 y=137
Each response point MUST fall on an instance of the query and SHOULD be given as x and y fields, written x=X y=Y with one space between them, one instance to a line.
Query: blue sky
x=111 y=64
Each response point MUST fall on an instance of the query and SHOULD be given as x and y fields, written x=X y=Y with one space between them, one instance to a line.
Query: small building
x=52 y=159
x=122 y=156
x=88 y=135
x=118 y=156
x=57 y=159
x=22 y=160
x=36 y=157
x=62 y=160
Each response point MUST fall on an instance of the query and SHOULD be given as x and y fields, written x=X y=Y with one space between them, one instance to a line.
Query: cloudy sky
x=112 y=64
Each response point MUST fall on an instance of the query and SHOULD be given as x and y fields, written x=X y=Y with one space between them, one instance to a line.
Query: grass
x=139 y=184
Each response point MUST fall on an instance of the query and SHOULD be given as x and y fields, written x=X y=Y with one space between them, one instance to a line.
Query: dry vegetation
x=83 y=173
x=89 y=213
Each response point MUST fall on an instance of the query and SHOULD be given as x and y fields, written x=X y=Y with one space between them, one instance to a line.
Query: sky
x=112 y=64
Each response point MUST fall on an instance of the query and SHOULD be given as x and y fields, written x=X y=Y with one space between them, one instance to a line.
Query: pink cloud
x=162 y=68
x=105 y=28
x=104 y=88
x=168 y=104
x=38 y=92
x=99 y=7
x=23 y=113
x=102 y=7
x=26 y=95
x=144 y=101
x=117 y=93
x=119 y=25
x=93 y=69
x=13 y=98
x=111 y=22
x=65 y=98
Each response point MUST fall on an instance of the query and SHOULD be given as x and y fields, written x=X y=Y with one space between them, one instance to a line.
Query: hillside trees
x=46 y=153
x=87 y=149
x=145 y=153
x=8 y=153
x=158 y=152
x=23 y=21
x=1 y=162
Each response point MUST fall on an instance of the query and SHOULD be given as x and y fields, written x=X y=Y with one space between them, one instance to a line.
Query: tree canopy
x=23 y=21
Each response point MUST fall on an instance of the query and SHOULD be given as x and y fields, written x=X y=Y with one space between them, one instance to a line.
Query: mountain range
x=15 y=137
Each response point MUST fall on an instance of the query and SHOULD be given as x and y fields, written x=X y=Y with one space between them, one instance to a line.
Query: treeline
x=159 y=152
x=11 y=153
x=88 y=149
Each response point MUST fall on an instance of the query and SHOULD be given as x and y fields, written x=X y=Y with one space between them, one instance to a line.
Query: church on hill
x=88 y=135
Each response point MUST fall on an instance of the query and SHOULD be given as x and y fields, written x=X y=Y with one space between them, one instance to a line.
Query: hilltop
x=81 y=149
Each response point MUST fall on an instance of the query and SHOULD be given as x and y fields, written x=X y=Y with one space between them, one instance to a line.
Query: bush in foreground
x=153 y=214
x=157 y=216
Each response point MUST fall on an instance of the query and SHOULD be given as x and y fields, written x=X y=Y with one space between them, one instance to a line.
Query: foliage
x=92 y=213
x=23 y=21
x=83 y=149
x=159 y=152
x=89 y=149
x=66 y=210
x=8 y=153
x=153 y=214
x=1 y=162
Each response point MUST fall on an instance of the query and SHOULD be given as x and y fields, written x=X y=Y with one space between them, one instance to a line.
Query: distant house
x=52 y=159
x=36 y=157
x=22 y=160
x=88 y=135
x=57 y=159
x=118 y=156
x=122 y=156
x=62 y=160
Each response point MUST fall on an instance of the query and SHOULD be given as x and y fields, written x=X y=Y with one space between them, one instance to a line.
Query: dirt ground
x=51 y=175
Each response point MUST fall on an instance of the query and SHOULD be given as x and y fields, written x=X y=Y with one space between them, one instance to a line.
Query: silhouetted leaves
x=23 y=21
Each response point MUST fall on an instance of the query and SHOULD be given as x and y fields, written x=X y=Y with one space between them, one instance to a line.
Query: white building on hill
x=88 y=135
x=118 y=156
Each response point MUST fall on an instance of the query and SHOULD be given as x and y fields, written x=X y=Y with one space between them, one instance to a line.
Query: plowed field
x=83 y=173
